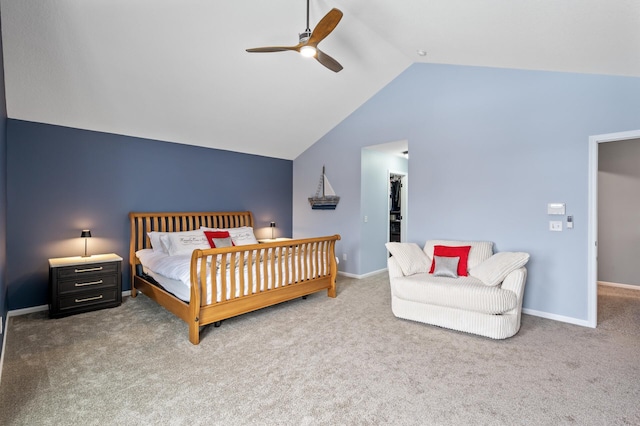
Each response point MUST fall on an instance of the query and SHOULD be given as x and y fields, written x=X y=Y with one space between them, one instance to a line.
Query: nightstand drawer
x=88 y=269
x=90 y=298
x=87 y=283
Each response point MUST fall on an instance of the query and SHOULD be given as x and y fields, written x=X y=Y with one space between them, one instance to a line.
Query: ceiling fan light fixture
x=307 y=46
x=308 y=51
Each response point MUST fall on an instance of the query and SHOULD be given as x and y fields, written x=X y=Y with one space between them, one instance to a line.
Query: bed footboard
x=231 y=281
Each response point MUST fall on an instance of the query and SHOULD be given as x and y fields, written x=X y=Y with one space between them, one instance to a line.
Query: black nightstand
x=82 y=284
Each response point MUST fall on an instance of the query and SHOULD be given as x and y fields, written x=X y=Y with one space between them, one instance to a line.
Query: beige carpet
x=326 y=361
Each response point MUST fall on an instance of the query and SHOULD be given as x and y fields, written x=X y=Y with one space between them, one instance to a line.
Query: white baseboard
x=359 y=277
x=618 y=285
x=25 y=311
x=576 y=321
x=561 y=318
x=4 y=346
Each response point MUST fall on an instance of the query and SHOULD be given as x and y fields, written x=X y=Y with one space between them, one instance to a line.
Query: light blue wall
x=489 y=149
x=375 y=167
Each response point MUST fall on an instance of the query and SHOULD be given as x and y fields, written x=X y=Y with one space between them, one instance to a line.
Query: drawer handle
x=88 y=299
x=86 y=284
x=99 y=268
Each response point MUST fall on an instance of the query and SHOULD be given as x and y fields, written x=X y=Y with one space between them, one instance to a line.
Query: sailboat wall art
x=325 y=198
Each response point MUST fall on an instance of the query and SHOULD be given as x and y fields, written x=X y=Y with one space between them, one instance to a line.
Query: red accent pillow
x=446 y=251
x=213 y=235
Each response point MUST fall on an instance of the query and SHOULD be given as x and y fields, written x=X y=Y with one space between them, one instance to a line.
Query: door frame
x=592 y=220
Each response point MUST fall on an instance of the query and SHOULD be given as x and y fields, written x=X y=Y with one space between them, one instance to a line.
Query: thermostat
x=555 y=208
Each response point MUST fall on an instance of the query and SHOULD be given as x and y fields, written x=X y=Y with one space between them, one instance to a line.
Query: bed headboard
x=141 y=223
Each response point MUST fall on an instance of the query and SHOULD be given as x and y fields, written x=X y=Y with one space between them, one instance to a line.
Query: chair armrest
x=515 y=282
x=394 y=268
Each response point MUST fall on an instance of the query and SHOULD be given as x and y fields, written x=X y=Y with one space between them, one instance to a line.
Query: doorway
x=397 y=207
x=592 y=237
x=377 y=163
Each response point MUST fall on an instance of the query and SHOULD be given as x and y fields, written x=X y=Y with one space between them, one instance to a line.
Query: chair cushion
x=466 y=293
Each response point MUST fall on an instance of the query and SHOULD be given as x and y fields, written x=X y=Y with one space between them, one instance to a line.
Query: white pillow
x=156 y=243
x=410 y=257
x=241 y=236
x=495 y=269
x=178 y=243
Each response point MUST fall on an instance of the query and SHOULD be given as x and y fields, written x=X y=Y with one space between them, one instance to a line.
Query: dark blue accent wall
x=61 y=180
x=3 y=195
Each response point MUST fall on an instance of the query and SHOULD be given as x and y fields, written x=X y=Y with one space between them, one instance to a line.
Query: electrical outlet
x=555 y=225
x=344 y=256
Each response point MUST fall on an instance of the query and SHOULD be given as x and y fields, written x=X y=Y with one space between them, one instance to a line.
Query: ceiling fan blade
x=273 y=49
x=327 y=24
x=328 y=61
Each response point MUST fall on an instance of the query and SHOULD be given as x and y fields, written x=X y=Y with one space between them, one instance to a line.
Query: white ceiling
x=177 y=70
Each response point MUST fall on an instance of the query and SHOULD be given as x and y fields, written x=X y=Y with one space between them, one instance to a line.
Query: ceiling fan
x=308 y=40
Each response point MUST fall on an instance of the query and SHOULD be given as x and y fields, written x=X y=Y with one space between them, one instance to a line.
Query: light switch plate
x=555 y=225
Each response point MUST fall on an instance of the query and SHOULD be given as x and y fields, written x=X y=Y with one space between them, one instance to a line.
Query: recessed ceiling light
x=421 y=52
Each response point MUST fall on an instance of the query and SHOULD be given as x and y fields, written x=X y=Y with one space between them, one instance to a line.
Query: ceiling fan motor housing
x=304 y=36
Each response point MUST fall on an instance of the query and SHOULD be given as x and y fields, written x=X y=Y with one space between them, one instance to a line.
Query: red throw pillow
x=215 y=235
x=446 y=251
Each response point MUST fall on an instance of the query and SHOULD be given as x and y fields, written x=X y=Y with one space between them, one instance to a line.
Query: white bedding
x=175 y=287
x=173 y=267
x=173 y=273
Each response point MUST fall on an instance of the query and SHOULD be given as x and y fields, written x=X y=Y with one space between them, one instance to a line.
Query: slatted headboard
x=141 y=223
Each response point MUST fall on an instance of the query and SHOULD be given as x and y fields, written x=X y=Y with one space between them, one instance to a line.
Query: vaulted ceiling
x=177 y=70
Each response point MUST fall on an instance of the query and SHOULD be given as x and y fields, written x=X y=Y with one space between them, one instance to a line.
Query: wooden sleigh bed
x=230 y=281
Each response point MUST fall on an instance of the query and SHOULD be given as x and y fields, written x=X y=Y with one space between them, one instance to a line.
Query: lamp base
x=85 y=249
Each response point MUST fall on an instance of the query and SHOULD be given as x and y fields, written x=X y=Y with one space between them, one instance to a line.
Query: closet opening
x=395 y=207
